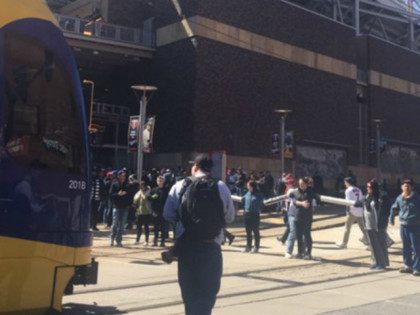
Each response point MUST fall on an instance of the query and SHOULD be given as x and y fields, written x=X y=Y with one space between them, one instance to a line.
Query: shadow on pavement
x=80 y=309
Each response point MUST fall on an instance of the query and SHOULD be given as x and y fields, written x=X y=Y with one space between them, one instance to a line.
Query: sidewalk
x=133 y=280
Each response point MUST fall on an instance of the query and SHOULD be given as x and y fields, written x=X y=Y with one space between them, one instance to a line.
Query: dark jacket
x=158 y=198
x=384 y=211
x=120 y=201
x=301 y=213
x=408 y=208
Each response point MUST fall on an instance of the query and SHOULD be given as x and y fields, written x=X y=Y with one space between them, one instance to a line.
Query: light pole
x=92 y=92
x=378 y=122
x=143 y=89
x=283 y=114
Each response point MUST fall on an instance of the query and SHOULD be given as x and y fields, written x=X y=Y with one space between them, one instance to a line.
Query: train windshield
x=43 y=122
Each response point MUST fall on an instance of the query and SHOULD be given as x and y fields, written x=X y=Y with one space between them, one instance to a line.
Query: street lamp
x=92 y=91
x=283 y=114
x=378 y=123
x=141 y=89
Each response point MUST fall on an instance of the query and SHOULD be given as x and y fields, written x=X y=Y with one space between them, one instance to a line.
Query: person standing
x=253 y=202
x=143 y=210
x=304 y=200
x=354 y=214
x=199 y=233
x=158 y=196
x=374 y=214
x=408 y=206
x=121 y=201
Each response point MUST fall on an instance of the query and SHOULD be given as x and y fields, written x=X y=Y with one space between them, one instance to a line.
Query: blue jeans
x=119 y=219
x=410 y=236
x=292 y=234
x=102 y=210
x=199 y=274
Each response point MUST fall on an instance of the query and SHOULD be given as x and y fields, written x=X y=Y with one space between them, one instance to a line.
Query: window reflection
x=43 y=120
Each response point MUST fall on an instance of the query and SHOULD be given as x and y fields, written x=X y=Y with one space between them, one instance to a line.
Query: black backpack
x=202 y=212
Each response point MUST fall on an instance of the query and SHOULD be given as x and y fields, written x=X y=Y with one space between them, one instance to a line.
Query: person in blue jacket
x=253 y=202
x=408 y=206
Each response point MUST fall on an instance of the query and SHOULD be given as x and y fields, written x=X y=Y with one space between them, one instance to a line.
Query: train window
x=43 y=127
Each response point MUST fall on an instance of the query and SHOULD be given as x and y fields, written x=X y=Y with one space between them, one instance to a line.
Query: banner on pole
x=275 y=143
x=148 y=134
x=133 y=131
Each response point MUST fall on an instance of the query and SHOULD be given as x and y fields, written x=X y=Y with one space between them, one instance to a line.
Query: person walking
x=121 y=201
x=143 y=213
x=407 y=205
x=253 y=202
x=375 y=213
x=290 y=185
x=200 y=206
x=353 y=214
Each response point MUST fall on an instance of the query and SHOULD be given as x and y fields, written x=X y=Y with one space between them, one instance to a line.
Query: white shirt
x=171 y=209
x=355 y=194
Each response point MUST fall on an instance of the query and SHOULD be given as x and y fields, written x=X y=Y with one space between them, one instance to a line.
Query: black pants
x=159 y=225
x=200 y=268
x=143 y=220
x=303 y=235
x=131 y=217
x=252 y=225
x=94 y=213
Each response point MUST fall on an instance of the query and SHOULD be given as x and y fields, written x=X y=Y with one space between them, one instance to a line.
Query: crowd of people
x=184 y=202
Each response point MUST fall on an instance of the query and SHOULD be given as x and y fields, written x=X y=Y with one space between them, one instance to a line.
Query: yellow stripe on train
x=12 y=10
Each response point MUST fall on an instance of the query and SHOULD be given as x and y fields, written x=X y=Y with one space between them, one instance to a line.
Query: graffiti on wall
x=401 y=160
x=329 y=163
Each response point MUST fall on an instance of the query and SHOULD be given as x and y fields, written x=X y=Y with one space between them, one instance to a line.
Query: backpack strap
x=187 y=182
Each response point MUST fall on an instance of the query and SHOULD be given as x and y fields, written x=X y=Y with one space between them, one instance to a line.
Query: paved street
x=133 y=280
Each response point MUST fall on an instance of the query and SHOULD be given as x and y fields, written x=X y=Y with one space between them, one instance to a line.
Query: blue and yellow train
x=45 y=241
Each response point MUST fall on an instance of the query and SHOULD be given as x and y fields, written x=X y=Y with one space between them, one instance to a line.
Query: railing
x=102 y=30
x=109 y=110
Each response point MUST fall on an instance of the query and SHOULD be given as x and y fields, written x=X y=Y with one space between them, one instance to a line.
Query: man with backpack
x=200 y=206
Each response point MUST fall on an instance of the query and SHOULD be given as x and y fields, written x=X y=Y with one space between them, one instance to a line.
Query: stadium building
x=223 y=67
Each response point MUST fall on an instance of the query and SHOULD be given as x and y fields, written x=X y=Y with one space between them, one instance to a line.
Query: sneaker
x=255 y=250
x=145 y=244
x=380 y=267
x=288 y=256
x=280 y=239
x=307 y=257
x=406 y=269
x=246 y=250
x=373 y=267
x=119 y=245
x=364 y=241
x=299 y=256
x=136 y=242
x=416 y=273
x=231 y=239
x=341 y=245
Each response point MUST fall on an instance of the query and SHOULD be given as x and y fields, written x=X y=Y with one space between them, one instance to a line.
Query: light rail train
x=45 y=241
